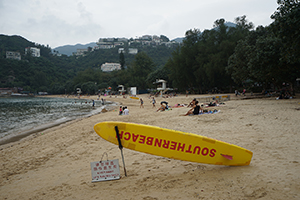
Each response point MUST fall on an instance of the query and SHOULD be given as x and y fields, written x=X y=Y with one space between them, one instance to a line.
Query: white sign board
x=105 y=170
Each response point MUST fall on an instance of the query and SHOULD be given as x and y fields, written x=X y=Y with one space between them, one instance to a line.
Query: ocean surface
x=23 y=114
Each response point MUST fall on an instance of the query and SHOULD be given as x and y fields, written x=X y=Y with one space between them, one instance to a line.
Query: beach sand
x=55 y=163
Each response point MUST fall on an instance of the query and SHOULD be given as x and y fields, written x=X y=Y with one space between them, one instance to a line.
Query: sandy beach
x=55 y=163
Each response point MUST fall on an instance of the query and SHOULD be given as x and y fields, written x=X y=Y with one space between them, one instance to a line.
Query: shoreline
x=62 y=155
x=23 y=134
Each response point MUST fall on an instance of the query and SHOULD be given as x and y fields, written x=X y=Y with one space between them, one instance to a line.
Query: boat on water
x=16 y=95
x=15 y=92
x=21 y=95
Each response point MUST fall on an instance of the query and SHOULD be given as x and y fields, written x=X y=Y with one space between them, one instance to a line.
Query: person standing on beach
x=120 y=111
x=244 y=92
x=142 y=102
x=126 y=111
x=153 y=102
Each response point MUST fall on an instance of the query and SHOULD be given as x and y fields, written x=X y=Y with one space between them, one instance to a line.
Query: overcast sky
x=62 y=22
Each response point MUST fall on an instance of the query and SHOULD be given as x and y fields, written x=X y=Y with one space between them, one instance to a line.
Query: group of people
x=197 y=109
x=123 y=111
x=236 y=92
x=194 y=104
x=163 y=105
x=152 y=101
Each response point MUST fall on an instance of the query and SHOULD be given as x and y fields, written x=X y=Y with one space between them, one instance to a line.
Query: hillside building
x=13 y=55
x=108 y=67
x=35 y=52
x=80 y=52
x=132 y=50
x=121 y=50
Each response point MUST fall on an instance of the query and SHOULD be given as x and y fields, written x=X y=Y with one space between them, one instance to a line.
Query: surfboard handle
x=120 y=147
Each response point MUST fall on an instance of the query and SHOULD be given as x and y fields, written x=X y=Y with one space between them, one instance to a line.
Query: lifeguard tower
x=161 y=86
x=78 y=91
x=121 y=90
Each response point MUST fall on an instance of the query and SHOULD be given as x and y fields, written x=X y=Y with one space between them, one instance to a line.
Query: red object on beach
x=227 y=156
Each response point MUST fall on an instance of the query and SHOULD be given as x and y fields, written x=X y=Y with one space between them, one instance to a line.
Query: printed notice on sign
x=105 y=170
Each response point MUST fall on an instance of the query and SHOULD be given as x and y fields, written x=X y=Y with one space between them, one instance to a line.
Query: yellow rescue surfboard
x=174 y=144
x=134 y=98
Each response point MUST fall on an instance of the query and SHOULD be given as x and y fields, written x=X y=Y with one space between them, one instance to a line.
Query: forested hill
x=13 y=43
x=50 y=72
x=224 y=59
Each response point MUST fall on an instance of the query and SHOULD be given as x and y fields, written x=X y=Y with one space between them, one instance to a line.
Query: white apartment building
x=80 y=52
x=105 y=45
x=108 y=67
x=13 y=55
x=35 y=52
x=132 y=50
x=146 y=37
x=121 y=50
x=122 y=40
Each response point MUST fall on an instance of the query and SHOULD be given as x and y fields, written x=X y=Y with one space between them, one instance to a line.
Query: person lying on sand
x=215 y=103
x=178 y=105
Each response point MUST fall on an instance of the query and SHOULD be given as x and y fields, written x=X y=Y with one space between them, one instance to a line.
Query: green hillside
x=222 y=59
x=56 y=74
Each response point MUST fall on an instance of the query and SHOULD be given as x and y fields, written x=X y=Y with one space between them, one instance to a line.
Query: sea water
x=26 y=113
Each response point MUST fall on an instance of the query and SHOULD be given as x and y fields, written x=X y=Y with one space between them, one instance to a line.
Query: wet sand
x=55 y=163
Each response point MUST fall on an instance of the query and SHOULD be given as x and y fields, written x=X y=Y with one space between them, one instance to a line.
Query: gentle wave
x=20 y=117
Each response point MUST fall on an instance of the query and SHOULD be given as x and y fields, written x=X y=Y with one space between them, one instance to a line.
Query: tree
x=141 y=67
x=173 y=67
x=219 y=22
x=200 y=63
x=122 y=60
x=243 y=23
x=88 y=87
x=188 y=53
x=238 y=63
x=287 y=26
x=160 y=73
x=164 y=38
x=257 y=58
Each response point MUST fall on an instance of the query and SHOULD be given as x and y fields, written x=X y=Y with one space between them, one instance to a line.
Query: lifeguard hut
x=78 y=91
x=161 y=86
x=121 y=90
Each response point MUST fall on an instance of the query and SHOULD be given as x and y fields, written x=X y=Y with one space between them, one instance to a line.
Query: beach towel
x=210 y=112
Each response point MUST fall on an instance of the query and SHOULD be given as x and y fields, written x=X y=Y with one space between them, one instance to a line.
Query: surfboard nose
x=97 y=128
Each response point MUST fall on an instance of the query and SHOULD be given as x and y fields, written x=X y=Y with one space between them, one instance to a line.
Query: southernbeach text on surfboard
x=174 y=144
